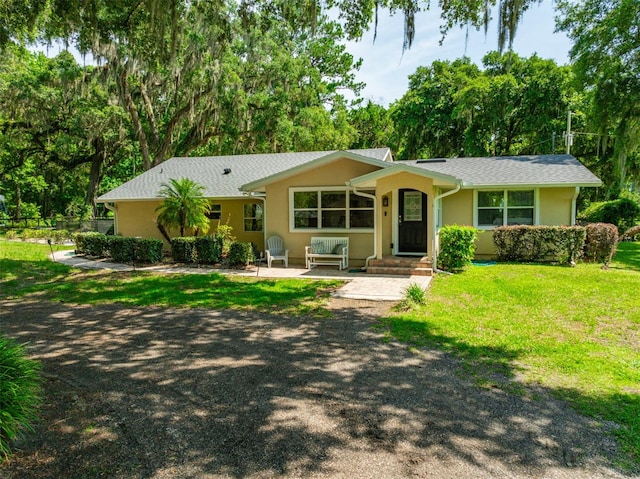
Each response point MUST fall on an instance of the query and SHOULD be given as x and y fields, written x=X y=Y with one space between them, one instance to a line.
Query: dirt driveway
x=155 y=393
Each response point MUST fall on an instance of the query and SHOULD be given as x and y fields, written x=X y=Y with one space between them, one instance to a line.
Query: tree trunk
x=164 y=233
x=127 y=100
x=97 y=159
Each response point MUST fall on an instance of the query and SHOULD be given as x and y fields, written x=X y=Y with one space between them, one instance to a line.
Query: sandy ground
x=156 y=393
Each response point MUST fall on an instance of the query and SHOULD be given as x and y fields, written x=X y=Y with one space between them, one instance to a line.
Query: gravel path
x=156 y=393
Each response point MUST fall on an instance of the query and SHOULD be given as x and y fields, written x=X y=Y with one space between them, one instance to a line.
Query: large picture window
x=505 y=207
x=253 y=217
x=330 y=209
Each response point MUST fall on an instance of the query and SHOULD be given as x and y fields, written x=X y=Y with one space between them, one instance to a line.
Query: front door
x=412 y=222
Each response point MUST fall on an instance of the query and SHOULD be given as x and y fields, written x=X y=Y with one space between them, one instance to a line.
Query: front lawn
x=25 y=270
x=573 y=331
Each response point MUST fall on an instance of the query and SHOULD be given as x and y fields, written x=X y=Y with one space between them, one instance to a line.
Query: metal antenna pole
x=569 y=138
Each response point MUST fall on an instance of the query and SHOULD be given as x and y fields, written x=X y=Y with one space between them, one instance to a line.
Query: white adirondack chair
x=276 y=251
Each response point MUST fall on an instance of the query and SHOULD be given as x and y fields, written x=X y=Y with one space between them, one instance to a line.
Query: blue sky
x=385 y=70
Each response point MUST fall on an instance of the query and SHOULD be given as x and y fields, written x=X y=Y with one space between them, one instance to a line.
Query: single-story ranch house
x=384 y=207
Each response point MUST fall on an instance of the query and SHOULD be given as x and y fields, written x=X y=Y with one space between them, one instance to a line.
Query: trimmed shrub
x=11 y=234
x=623 y=213
x=92 y=244
x=20 y=393
x=28 y=233
x=123 y=250
x=600 y=244
x=183 y=250
x=457 y=247
x=148 y=250
x=632 y=234
x=240 y=254
x=209 y=249
x=522 y=243
x=58 y=236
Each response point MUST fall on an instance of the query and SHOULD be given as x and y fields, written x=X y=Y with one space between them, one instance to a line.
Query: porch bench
x=326 y=251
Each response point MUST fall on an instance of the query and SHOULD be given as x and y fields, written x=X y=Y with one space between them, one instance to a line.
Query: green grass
x=25 y=270
x=627 y=257
x=574 y=331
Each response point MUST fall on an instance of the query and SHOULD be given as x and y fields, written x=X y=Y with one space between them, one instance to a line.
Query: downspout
x=111 y=207
x=435 y=222
x=375 y=226
x=573 y=206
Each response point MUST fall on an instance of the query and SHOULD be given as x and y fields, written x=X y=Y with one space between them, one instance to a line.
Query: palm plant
x=183 y=207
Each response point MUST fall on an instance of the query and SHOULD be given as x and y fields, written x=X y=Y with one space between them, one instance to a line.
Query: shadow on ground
x=150 y=392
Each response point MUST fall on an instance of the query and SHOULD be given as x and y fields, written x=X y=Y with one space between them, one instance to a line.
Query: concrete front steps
x=406 y=266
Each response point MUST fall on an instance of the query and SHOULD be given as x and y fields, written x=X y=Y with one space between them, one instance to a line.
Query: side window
x=215 y=212
x=253 y=217
x=505 y=207
x=490 y=208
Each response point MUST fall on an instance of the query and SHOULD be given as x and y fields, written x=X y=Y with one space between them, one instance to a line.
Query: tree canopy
x=606 y=55
x=512 y=106
x=230 y=77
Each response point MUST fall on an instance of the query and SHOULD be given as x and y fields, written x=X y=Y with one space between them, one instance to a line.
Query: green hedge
x=120 y=249
x=209 y=249
x=123 y=250
x=562 y=244
x=601 y=242
x=240 y=254
x=148 y=250
x=183 y=250
x=20 y=392
x=623 y=213
x=457 y=247
x=92 y=244
x=56 y=236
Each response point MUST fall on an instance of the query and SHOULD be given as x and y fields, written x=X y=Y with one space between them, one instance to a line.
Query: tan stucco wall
x=336 y=173
x=555 y=206
x=457 y=209
x=554 y=209
x=138 y=218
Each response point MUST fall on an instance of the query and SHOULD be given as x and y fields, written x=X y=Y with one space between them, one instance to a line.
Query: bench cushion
x=319 y=247
x=337 y=249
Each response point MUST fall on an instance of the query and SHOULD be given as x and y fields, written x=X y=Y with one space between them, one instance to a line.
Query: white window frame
x=505 y=192
x=245 y=218
x=319 y=190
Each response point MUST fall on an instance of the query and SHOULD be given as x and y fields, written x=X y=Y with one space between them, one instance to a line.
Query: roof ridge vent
x=437 y=160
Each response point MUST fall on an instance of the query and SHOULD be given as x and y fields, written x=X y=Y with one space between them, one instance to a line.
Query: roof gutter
x=375 y=225
x=435 y=221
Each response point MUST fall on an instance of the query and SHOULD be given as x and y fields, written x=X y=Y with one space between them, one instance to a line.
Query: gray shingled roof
x=209 y=172
x=513 y=170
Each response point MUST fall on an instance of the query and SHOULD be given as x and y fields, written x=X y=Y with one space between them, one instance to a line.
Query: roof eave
x=336 y=155
x=468 y=185
x=370 y=178
x=158 y=198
